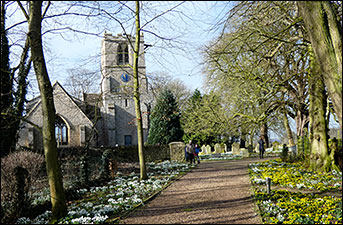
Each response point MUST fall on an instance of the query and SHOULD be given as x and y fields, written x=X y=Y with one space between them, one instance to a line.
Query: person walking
x=190 y=152
x=186 y=153
x=196 y=154
x=261 y=147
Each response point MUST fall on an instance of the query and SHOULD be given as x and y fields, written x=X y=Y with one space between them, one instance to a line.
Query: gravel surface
x=213 y=192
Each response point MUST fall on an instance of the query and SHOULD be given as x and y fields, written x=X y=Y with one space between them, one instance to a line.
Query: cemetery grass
x=298 y=196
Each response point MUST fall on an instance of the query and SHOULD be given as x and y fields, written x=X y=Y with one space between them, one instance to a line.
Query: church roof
x=86 y=107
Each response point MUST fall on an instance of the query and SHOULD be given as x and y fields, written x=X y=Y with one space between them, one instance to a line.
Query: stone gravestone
x=256 y=149
x=218 y=148
x=225 y=147
x=244 y=152
x=235 y=149
x=177 y=151
x=208 y=149
x=203 y=150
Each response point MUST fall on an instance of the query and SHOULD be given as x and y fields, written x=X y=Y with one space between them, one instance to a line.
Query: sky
x=188 y=25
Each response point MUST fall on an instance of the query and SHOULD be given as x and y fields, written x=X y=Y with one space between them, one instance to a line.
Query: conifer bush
x=165 y=120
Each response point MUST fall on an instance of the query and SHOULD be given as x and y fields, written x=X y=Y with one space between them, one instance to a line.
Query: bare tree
x=158 y=81
x=59 y=208
x=80 y=81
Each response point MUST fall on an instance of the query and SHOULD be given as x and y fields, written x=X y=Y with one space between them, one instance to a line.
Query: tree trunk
x=319 y=158
x=59 y=208
x=326 y=39
x=143 y=173
x=288 y=130
x=264 y=133
x=6 y=100
x=301 y=120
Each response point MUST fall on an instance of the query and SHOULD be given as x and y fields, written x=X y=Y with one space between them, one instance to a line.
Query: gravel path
x=213 y=192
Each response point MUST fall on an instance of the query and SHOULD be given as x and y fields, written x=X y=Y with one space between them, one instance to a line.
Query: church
x=106 y=119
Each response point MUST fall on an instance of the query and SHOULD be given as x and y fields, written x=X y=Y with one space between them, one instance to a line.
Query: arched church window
x=61 y=132
x=123 y=54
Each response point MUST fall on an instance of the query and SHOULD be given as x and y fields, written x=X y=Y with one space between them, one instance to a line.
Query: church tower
x=118 y=109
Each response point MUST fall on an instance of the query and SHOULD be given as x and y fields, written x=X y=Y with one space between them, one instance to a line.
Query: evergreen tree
x=12 y=93
x=6 y=87
x=165 y=120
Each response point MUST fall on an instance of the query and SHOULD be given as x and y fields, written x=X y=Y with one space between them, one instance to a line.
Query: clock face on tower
x=125 y=77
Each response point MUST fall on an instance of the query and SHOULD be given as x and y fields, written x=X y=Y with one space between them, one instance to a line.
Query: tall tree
x=319 y=155
x=80 y=81
x=260 y=55
x=13 y=89
x=6 y=84
x=325 y=32
x=59 y=208
x=136 y=96
x=159 y=81
x=205 y=120
x=165 y=120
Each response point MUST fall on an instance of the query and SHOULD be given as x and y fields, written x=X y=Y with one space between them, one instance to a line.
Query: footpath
x=213 y=192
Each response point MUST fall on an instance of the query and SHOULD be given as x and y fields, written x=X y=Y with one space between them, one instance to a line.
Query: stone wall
x=71 y=158
x=177 y=151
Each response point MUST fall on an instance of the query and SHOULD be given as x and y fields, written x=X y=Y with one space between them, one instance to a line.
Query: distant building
x=105 y=119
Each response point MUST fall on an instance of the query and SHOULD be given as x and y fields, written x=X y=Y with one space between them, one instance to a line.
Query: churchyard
x=297 y=195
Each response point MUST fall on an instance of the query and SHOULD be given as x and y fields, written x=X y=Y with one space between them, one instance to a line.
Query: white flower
x=82 y=220
x=337 y=185
x=120 y=194
x=23 y=220
x=99 y=218
x=301 y=186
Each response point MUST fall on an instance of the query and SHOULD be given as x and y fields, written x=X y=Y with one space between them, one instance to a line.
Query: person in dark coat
x=190 y=152
x=261 y=147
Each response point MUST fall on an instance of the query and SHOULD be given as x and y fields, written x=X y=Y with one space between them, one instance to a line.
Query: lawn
x=298 y=196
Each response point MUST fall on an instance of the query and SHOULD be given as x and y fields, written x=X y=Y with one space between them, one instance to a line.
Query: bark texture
x=319 y=158
x=59 y=208
x=326 y=39
x=143 y=172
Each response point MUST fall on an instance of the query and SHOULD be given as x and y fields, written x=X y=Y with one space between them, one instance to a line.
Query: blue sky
x=189 y=25
x=180 y=58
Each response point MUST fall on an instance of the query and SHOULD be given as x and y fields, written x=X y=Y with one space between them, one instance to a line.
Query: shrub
x=19 y=172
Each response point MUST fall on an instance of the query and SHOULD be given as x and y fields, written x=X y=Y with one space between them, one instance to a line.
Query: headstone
x=225 y=147
x=235 y=149
x=203 y=150
x=218 y=148
x=208 y=149
x=244 y=152
x=256 y=149
x=177 y=151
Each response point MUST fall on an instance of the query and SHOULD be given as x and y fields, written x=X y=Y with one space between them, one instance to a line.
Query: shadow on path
x=213 y=192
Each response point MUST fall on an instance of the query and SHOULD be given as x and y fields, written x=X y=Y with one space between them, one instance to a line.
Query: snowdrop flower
x=82 y=220
x=299 y=186
x=23 y=220
x=120 y=194
x=99 y=218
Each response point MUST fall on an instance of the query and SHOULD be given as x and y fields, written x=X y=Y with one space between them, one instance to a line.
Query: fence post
x=268 y=182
